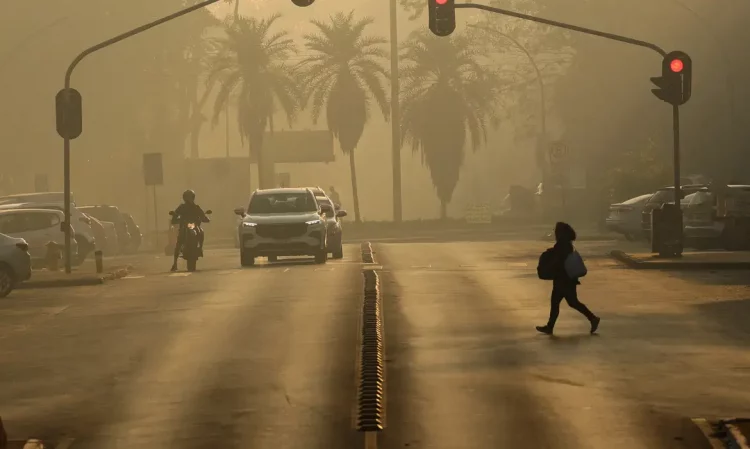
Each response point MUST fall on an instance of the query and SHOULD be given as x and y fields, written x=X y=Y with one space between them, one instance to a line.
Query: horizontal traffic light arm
x=554 y=23
x=132 y=33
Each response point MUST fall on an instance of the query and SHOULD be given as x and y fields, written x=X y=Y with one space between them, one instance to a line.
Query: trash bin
x=667 y=231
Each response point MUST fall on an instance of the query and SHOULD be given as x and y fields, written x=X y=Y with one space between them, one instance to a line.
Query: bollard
x=3 y=436
x=98 y=257
x=53 y=256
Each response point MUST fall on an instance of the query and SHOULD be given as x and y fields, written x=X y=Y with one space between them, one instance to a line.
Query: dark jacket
x=189 y=213
x=562 y=250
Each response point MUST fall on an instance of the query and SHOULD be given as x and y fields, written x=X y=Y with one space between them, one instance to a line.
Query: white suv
x=282 y=222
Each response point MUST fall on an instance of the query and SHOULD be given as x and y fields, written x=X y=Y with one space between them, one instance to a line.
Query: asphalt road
x=265 y=357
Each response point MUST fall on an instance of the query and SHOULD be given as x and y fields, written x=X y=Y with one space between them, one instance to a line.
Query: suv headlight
x=314 y=222
x=249 y=225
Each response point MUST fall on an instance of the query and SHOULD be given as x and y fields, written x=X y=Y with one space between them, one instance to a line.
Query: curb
x=718 y=434
x=80 y=282
x=634 y=263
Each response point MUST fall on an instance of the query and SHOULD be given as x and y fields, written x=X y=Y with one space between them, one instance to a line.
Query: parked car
x=113 y=244
x=334 y=229
x=135 y=232
x=658 y=199
x=282 y=222
x=84 y=234
x=113 y=215
x=707 y=225
x=15 y=263
x=625 y=218
x=99 y=233
x=37 y=227
x=37 y=197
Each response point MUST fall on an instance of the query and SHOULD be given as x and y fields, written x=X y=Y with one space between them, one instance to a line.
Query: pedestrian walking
x=564 y=266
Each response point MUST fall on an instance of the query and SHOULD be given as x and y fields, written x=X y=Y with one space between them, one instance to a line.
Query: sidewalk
x=690 y=260
x=79 y=277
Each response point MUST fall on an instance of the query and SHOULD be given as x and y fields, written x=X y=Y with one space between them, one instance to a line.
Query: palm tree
x=249 y=63
x=345 y=71
x=446 y=93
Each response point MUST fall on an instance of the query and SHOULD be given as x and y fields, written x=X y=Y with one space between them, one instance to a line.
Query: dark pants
x=570 y=295
x=181 y=241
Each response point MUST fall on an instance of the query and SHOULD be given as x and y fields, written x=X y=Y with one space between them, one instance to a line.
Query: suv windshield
x=282 y=203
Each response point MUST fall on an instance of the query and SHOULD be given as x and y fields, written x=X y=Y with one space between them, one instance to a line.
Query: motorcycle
x=191 y=250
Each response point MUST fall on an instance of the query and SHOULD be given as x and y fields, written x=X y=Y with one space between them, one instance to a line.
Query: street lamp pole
x=395 y=117
x=69 y=74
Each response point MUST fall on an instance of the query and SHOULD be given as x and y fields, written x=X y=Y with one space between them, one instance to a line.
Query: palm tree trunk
x=236 y=9
x=443 y=210
x=355 y=194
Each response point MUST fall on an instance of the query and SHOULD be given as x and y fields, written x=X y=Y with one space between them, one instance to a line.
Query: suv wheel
x=338 y=253
x=246 y=259
x=6 y=281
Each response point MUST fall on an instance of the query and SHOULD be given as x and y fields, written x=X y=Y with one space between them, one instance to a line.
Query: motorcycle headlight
x=314 y=222
x=249 y=225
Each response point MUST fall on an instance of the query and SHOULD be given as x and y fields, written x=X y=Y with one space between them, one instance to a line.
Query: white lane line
x=134 y=277
x=325 y=269
x=287 y=269
x=182 y=275
x=518 y=264
x=421 y=266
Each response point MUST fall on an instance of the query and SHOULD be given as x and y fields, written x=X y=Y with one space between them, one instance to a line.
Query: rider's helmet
x=188 y=196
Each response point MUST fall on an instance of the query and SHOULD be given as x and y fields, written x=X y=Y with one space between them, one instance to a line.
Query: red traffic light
x=441 y=2
x=676 y=65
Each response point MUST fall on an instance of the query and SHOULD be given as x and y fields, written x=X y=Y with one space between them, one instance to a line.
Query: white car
x=37 y=227
x=625 y=218
x=15 y=263
x=282 y=222
x=84 y=234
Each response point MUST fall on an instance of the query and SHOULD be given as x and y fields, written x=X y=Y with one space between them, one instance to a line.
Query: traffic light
x=442 y=16
x=303 y=3
x=675 y=83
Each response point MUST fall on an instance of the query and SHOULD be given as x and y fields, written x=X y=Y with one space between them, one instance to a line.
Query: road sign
x=69 y=113
x=558 y=152
x=153 y=173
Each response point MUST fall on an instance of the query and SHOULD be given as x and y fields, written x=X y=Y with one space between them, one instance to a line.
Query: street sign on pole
x=558 y=152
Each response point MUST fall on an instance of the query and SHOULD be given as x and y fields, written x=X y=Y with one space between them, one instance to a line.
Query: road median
x=58 y=279
x=698 y=260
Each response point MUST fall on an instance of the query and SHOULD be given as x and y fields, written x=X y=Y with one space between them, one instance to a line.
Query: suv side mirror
x=239 y=211
x=341 y=214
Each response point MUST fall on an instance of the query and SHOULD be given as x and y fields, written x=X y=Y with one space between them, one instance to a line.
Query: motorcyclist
x=188 y=212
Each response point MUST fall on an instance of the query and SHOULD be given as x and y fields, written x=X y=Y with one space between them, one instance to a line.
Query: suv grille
x=281 y=231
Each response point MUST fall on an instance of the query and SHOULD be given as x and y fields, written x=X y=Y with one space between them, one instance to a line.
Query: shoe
x=595 y=324
x=174 y=268
x=544 y=329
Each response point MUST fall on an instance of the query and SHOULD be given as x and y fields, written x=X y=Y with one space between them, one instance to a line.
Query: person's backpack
x=546 y=267
x=574 y=266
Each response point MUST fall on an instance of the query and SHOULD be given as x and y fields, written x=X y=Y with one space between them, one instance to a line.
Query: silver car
x=15 y=263
x=625 y=218
x=282 y=222
x=335 y=230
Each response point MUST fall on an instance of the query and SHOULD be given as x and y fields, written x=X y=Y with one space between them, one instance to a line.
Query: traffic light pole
x=69 y=74
x=676 y=139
